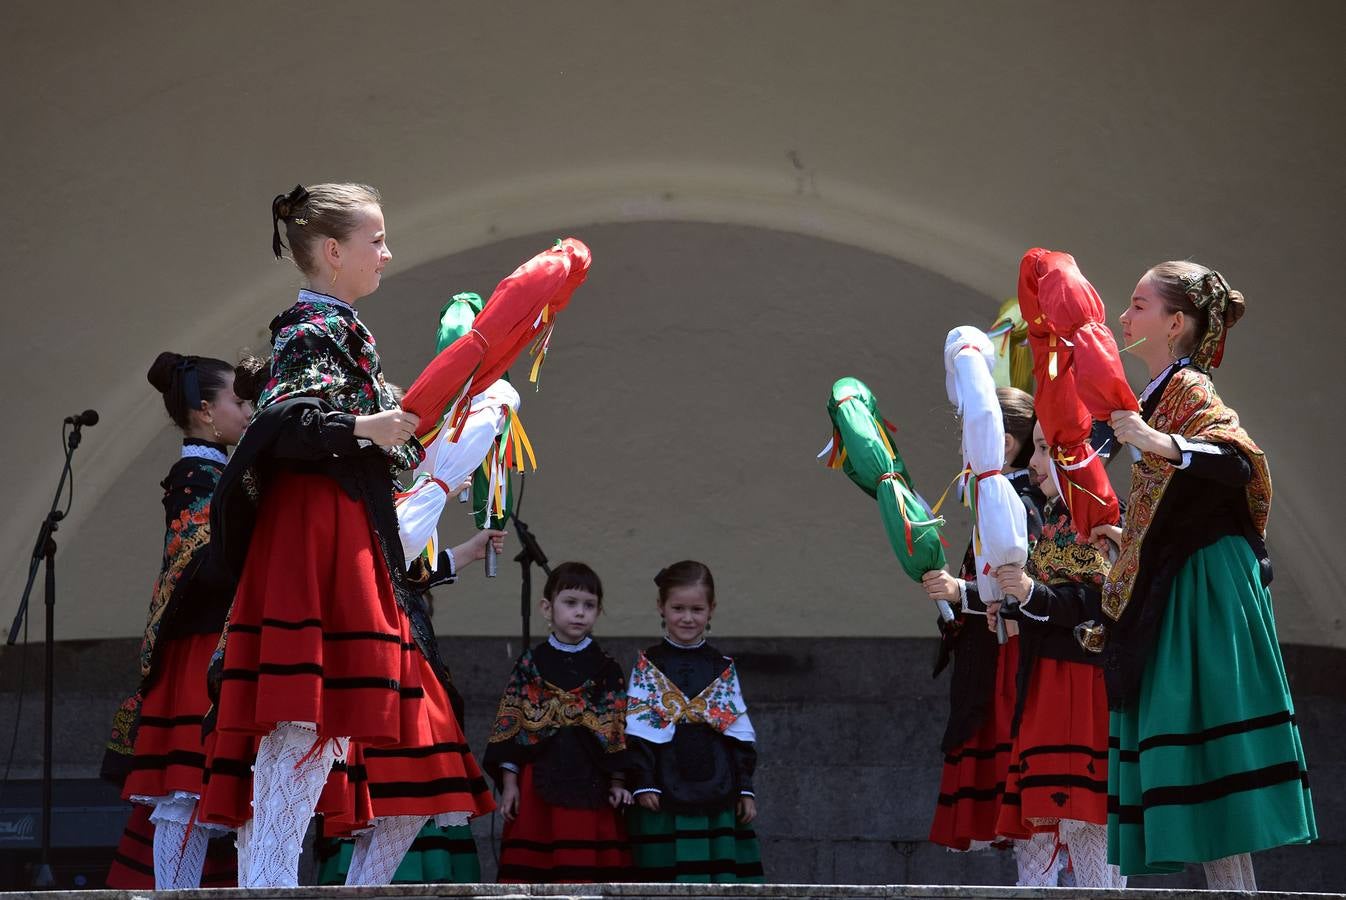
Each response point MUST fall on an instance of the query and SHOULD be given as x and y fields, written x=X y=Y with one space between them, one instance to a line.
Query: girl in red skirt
x=982 y=691
x=1058 y=774
x=328 y=653
x=161 y=723
x=558 y=747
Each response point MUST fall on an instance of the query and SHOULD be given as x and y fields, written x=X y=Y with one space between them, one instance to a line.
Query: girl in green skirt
x=688 y=731
x=1205 y=763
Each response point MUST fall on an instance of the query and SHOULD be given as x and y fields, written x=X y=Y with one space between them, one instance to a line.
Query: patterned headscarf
x=1210 y=293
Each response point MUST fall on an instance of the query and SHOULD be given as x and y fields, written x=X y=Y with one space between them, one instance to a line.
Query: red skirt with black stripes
x=170 y=755
x=316 y=635
x=433 y=774
x=973 y=779
x=548 y=843
x=1059 y=763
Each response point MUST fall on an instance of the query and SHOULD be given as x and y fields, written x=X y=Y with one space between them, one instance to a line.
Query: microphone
x=87 y=418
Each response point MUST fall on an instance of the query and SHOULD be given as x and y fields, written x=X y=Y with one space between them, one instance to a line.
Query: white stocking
x=1230 y=873
x=1088 y=845
x=1246 y=864
x=179 y=855
x=380 y=850
x=180 y=841
x=243 y=844
x=1037 y=861
x=291 y=769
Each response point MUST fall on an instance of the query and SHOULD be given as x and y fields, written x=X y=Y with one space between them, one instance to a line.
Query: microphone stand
x=44 y=551
x=530 y=552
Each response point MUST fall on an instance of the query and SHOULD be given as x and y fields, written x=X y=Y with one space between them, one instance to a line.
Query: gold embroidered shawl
x=1189 y=407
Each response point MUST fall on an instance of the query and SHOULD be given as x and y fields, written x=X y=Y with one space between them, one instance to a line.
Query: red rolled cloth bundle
x=444 y=381
x=1076 y=313
x=1079 y=378
x=525 y=305
x=522 y=308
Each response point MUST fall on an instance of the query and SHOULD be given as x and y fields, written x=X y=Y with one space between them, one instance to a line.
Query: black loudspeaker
x=88 y=817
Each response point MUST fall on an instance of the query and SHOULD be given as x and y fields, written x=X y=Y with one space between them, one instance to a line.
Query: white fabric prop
x=448 y=464
x=1000 y=529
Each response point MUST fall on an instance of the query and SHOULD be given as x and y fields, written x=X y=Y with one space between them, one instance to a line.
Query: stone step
x=662 y=892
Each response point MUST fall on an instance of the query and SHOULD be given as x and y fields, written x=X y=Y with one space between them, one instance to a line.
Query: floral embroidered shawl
x=656 y=706
x=320 y=348
x=533 y=709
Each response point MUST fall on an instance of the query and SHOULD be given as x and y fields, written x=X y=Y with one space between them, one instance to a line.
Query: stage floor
x=699 y=891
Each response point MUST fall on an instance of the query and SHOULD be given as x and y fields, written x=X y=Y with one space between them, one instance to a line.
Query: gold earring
x=335 y=273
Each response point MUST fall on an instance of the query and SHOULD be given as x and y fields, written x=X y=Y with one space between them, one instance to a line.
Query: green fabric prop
x=455 y=320
x=861 y=447
x=481 y=499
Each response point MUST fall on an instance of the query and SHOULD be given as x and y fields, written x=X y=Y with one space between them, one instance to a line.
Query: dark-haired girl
x=1205 y=762
x=558 y=746
x=982 y=689
x=156 y=744
x=328 y=655
x=1058 y=783
x=692 y=746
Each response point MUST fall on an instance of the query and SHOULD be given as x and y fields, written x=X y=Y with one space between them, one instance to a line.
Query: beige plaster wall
x=911 y=151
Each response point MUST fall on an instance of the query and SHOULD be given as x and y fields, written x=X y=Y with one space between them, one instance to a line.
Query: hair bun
x=161 y=371
x=250 y=376
x=285 y=205
x=283 y=208
x=1235 y=307
x=280 y=207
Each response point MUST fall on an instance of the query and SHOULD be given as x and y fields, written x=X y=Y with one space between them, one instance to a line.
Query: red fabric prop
x=1079 y=376
x=523 y=308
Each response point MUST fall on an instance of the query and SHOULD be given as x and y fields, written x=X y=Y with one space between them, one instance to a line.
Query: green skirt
x=437 y=856
x=1207 y=762
x=668 y=846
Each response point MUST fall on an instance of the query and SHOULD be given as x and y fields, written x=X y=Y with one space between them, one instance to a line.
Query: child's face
x=361 y=257
x=1041 y=464
x=572 y=613
x=227 y=413
x=686 y=613
x=1147 y=319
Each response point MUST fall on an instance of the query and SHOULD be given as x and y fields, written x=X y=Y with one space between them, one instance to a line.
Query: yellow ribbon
x=934 y=510
x=1062 y=463
x=429 y=437
x=539 y=348
x=522 y=443
x=883 y=433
